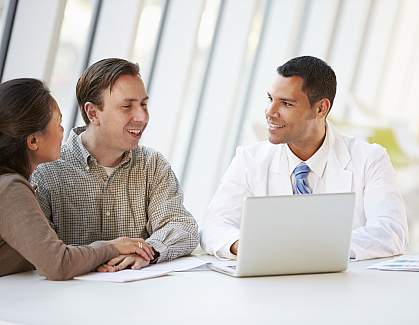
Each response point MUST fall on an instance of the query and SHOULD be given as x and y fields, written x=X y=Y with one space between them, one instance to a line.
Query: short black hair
x=319 y=78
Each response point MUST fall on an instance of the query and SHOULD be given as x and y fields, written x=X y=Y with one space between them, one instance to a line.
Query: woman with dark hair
x=30 y=134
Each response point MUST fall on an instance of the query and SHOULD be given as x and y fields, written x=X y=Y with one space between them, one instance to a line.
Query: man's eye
x=286 y=104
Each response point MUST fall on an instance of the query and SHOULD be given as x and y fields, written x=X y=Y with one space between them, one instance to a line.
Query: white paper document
x=403 y=263
x=209 y=259
x=122 y=276
x=181 y=264
x=191 y=264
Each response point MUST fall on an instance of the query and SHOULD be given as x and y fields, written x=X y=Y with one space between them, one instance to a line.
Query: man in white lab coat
x=306 y=155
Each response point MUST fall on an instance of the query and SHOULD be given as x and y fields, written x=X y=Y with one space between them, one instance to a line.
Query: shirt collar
x=76 y=146
x=316 y=163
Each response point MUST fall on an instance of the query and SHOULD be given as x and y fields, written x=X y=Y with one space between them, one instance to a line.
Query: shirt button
x=108 y=213
x=87 y=168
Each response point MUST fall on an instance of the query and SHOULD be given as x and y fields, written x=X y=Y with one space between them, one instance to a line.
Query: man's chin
x=274 y=140
x=132 y=145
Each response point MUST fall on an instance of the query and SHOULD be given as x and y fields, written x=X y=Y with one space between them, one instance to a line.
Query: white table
x=358 y=296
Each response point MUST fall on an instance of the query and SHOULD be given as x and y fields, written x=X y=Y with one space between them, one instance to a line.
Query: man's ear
x=32 y=142
x=91 y=112
x=323 y=107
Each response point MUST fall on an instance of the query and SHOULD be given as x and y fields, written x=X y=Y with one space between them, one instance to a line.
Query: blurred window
x=70 y=56
x=147 y=36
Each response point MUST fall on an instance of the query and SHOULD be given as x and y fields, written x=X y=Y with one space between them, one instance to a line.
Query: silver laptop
x=294 y=234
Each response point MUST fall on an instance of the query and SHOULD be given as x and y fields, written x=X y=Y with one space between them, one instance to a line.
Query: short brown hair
x=25 y=108
x=98 y=77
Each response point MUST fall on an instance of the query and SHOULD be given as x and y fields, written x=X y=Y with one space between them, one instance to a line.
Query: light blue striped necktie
x=301 y=184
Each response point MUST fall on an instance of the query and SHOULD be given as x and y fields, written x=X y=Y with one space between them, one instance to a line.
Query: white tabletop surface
x=357 y=296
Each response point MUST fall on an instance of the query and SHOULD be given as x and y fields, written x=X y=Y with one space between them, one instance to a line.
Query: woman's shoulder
x=10 y=181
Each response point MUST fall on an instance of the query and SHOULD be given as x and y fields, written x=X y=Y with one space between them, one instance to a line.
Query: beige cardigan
x=27 y=240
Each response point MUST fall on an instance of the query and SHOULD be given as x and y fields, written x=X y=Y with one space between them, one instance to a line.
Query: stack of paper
x=404 y=263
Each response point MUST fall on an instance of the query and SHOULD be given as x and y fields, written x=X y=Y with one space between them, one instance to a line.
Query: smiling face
x=124 y=115
x=289 y=115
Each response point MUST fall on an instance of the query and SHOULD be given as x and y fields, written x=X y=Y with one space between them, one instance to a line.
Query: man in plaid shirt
x=105 y=185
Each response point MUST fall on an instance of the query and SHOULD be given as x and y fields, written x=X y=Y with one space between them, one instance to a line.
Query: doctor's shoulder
x=364 y=151
x=257 y=152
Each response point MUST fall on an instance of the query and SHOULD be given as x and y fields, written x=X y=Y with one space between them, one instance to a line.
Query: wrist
x=156 y=256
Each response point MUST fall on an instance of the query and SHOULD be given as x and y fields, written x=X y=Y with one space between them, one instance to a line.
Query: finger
x=129 y=260
x=139 y=263
x=141 y=251
x=111 y=268
x=116 y=260
x=133 y=248
x=105 y=268
x=101 y=268
x=146 y=248
x=143 y=254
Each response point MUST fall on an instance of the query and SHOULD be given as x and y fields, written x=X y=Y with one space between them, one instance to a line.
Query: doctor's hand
x=122 y=262
x=234 y=247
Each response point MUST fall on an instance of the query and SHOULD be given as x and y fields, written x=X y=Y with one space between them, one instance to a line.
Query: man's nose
x=272 y=110
x=140 y=114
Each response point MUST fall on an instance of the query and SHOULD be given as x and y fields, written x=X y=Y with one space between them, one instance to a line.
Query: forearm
x=70 y=261
x=217 y=239
x=379 y=240
x=385 y=229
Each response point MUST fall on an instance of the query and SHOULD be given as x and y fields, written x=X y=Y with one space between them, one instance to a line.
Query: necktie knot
x=301 y=171
x=301 y=183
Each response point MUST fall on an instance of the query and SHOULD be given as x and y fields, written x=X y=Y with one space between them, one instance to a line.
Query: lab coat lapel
x=279 y=182
x=338 y=177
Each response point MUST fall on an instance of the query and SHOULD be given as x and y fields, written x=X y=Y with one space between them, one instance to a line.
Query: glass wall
x=3 y=15
x=147 y=35
x=70 y=56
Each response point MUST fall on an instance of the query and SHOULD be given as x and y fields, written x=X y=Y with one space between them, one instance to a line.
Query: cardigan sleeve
x=24 y=227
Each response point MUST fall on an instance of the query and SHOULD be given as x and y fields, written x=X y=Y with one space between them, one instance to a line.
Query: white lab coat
x=380 y=223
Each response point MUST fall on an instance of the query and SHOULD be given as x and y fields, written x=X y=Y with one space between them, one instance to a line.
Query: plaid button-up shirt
x=141 y=198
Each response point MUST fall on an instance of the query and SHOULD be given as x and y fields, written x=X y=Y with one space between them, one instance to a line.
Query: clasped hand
x=122 y=262
x=135 y=253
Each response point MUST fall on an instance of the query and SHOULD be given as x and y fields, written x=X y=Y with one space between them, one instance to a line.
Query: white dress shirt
x=316 y=163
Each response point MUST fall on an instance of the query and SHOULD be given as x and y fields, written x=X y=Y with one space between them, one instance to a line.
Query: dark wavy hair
x=25 y=108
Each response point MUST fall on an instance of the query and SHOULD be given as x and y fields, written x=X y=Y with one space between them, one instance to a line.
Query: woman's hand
x=126 y=246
